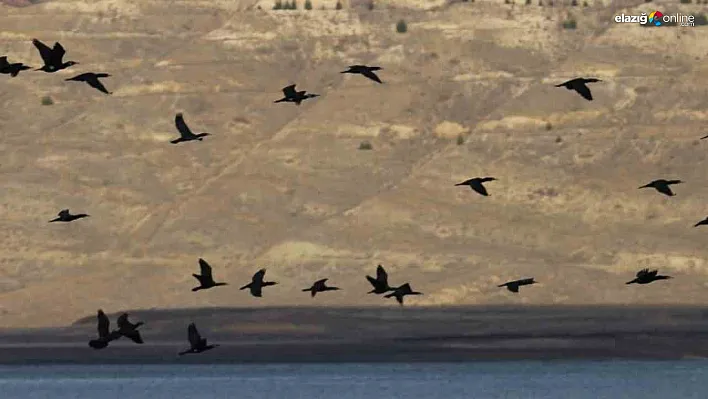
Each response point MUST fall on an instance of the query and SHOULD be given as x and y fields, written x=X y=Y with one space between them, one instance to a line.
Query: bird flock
x=53 y=59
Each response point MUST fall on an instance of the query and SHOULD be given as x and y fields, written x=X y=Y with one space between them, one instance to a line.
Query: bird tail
x=306 y=289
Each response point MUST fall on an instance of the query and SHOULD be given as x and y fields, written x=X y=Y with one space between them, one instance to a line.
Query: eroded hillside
x=468 y=92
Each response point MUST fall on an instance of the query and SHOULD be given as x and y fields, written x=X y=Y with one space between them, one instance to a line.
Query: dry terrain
x=468 y=92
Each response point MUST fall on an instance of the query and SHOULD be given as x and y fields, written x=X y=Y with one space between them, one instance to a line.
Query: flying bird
x=365 y=71
x=196 y=342
x=185 y=132
x=702 y=222
x=128 y=329
x=104 y=334
x=92 y=80
x=256 y=285
x=53 y=57
x=380 y=283
x=293 y=96
x=662 y=186
x=578 y=84
x=13 y=69
x=704 y=137
x=402 y=291
x=319 y=286
x=205 y=279
x=476 y=184
x=65 y=216
x=513 y=286
x=645 y=276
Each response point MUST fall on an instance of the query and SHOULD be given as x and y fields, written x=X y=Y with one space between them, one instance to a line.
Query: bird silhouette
x=52 y=57
x=92 y=80
x=364 y=70
x=513 y=286
x=704 y=137
x=185 y=132
x=196 y=342
x=13 y=69
x=319 y=286
x=402 y=291
x=205 y=279
x=579 y=85
x=702 y=222
x=104 y=334
x=65 y=216
x=476 y=184
x=662 y=186
x=645 y=276
x=128 y=329
x=293 y=96
x=256 y=285
x=380 y=283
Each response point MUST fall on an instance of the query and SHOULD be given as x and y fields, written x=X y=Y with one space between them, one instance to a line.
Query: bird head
x=71 y=63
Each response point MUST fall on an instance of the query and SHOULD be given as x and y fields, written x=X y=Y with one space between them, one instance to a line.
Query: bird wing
x=289 y=91
x=664 y=189
x=123 y=322
x=525 y=281
x=512 y=287
x=404 y=288
x=258 y=277
x=193 y=335
x=479 y=188
x=583 y=91
x=3 y=61
x=134 y=336
x=205 y=268
x=373 y=281
x=63 y=212
x=58 y=52
x=704 y=137
x=652 y=273
x=642 y=272
x=674 y=182
x=104 y=324
x=319 y=283
x=44 y=51
x=96 y=84
x=381 y=274
x=371 y=75
x=182 y=127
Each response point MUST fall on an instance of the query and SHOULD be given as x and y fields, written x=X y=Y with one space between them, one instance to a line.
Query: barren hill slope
x=286 y=187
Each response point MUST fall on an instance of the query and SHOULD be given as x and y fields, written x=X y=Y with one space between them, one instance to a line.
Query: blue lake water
x=528 y=379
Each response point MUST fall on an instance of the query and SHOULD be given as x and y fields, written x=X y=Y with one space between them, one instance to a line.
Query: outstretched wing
x=96 y=84
x=193 y=335
x=58 y=52
x=258 y=277
x=44 y=51
x=319 y=283
x=583 y=90
x=205 y=268
x=381 y=275
x=664 y=189
x=479 y=188
x=652 y=273
x=289 y=91
x=371 y=75
x=642 y=273
x=3 y=61
x=104 y=324
x=123 y=322
x=182 y=127
x=525 y=281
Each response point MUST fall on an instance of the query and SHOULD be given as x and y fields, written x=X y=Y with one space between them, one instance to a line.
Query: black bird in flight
x=578 y=84
x=293 y=96
x=704 y=137
x=256 y=285
x=662 y=186
x=185 y=132
x=645 y=276
x=65 y=216
x=380 y=283
x=513 y=286
x=128 y=329
x=52 y=57
x=476 y=184
x=205 y=279
x=196 y=342
x=319 y=286
x=104 y=334
x=702 y=222
x=92 y=80
x=13 y=69
x=365 y=70
x=402 y=291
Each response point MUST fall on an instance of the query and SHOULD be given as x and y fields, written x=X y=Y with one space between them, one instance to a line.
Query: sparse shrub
x=685 y=1
x=365 y=145
x=460 y=139
x=573 y=3
x=339 y=5
x=701 y=19
x=570 y=24
x=559 y=139
x=46 y=100
x=308 y=5
x=278 y=5
x=401 y=26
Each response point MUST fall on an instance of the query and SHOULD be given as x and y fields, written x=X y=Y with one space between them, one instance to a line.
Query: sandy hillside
x=468 y=92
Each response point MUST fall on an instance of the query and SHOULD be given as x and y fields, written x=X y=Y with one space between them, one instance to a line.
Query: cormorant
x=196 y=342
x=476 y=184
x=402 y=291
x=645 y=276
x=52 y=57
x=185 y=132
x=11 y=69
x=205 y=279
x=365 y=70
x=702 y=222
x=662 y=186
x=293 y=96
x=92 y=80
x=578 y=84
x=128 y=329
x=513 y=286
x=319 y=286
x=256 y=285
x=380 y=283
x=65 y=216
x=104 y=334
